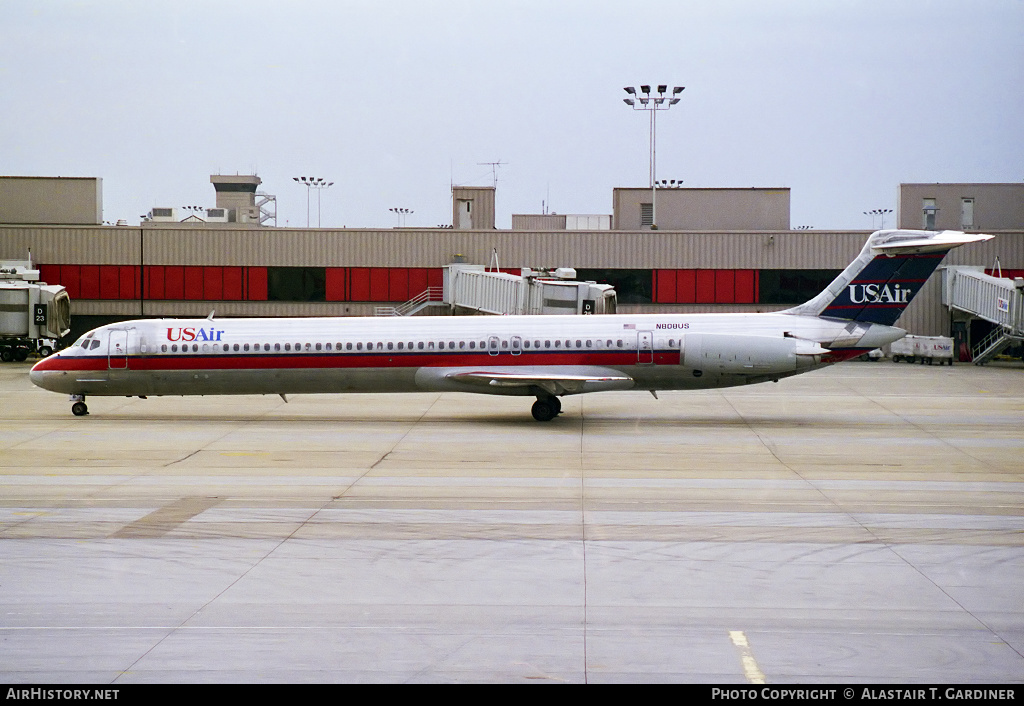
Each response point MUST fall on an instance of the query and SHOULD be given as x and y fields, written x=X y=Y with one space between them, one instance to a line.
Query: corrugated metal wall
x=252 y=246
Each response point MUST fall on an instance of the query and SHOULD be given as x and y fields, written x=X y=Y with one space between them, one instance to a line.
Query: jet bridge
x=471 y=288
x=995 y=299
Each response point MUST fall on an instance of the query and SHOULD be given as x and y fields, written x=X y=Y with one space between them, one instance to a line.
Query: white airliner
x=540 y=356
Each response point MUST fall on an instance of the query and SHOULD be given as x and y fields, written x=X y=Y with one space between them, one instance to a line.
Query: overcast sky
x=840 y=100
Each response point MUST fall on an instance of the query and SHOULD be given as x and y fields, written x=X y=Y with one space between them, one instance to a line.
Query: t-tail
x=893 y=266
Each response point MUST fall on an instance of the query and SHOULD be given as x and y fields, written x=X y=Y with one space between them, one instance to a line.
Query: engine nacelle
x=747 y=355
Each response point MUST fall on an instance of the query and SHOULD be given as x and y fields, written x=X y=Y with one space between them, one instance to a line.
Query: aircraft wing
x=556 y=381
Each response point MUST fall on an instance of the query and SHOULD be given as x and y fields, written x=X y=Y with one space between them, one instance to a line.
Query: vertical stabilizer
x=893 y=266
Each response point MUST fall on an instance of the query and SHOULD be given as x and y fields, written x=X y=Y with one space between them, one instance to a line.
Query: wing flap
x=526 y=380
x=555 y=383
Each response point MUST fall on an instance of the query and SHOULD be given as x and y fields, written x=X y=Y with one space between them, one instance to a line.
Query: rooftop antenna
x=494 y=170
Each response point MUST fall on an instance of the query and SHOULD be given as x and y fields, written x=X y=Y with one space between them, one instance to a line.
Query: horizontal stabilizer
x=912 y=242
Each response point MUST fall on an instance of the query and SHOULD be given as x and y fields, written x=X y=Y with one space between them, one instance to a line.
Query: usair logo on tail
x=879 y=294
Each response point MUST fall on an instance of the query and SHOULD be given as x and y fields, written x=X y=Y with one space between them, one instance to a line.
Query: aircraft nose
x=38 y=373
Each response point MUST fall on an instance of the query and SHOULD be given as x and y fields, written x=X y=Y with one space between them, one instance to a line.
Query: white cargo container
x=923 y=349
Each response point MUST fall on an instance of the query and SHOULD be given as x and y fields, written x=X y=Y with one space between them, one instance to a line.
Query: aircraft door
x=117 y=351
x=492 y=345
x=645 y=347
x=517 y=345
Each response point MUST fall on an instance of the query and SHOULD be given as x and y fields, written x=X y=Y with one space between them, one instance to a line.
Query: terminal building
x=666 y=249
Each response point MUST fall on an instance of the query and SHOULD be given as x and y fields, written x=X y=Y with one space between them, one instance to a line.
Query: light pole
x=401 y=213
x=878 y=212
x=652 y=104
x=318 y=183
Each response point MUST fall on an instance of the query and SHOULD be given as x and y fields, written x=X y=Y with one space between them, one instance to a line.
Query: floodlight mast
x=652 y=104
x=318 y=183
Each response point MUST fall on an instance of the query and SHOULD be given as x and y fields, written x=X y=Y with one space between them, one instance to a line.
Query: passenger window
x=245 y=347
x=462 y=344
x=318 y=346
x=174 y=348
x=390 y=345
x=420 y=345
x=163 y=348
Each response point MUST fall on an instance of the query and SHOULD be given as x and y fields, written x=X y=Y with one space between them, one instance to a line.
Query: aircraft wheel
x=545 y=410
x=79 y=409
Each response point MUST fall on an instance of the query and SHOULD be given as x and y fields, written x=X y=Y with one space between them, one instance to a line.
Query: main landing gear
x=79 y=408
x=546 y=408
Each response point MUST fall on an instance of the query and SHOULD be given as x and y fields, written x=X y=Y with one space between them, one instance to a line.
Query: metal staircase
x=431 y=296
x=995 y=299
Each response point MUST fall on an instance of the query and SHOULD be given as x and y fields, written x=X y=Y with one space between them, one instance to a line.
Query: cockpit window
x=95 y=344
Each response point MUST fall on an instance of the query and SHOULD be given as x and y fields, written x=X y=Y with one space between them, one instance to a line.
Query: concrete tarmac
x=863 y=523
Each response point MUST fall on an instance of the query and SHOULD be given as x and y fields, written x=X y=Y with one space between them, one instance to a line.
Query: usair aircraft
x=546 y=357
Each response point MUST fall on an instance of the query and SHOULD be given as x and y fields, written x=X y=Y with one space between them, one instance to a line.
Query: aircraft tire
x=79 y=409
x=545 y=410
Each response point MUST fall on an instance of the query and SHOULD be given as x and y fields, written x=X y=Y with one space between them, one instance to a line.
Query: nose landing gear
x=79 y=408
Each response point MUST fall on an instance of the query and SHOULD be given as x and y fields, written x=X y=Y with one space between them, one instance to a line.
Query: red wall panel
x=435 y=277
x=418 y=281
x=745 y=292
x=705 y=287
x=232 y=284
x=725 y=286
x=664 y=286
x=257 y=284
x=110 y=282
x=379 y=284
x=398 y=284
x=193 y=284
x=49 y=274
x=686 y=286
x=213 y=283
x=129 y=282
x=360 y=284
x=71 y=279
x=154 y=284
x=336 y=284
x=174 y=282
